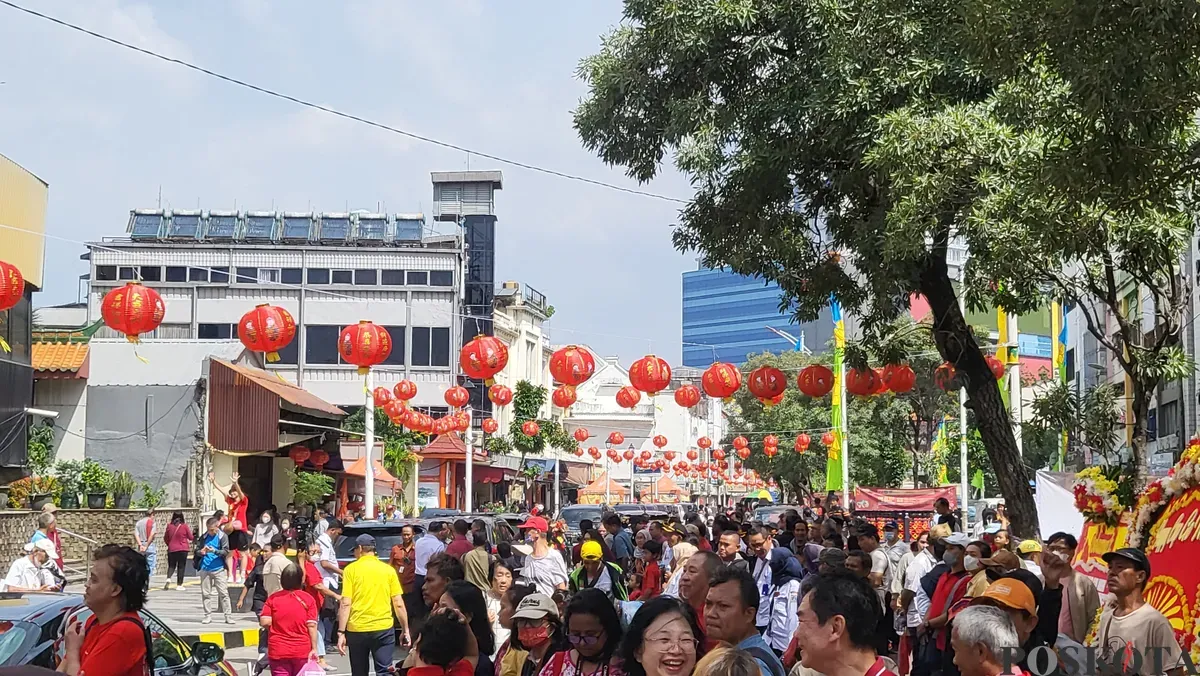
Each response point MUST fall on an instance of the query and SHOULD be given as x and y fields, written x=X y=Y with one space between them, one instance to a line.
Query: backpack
x=145 y=637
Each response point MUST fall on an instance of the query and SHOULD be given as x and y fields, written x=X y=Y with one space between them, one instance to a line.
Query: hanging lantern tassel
x=4 y=346
x=135 y=341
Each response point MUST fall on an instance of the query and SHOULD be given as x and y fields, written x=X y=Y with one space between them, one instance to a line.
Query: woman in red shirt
x=291 y=615
x=113 y=642
x=652 y=579
x=315 y=586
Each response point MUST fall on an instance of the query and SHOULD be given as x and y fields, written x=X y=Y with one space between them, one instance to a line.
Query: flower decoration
x=1096 y=496
x=1184 y=476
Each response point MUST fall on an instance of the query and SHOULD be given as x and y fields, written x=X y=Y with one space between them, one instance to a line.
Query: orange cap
x=1008 y=593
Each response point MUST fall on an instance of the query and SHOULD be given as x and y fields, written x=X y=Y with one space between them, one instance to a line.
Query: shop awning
x=247 y=406
x=667 y=485
x=491 y=475
x=602 y=485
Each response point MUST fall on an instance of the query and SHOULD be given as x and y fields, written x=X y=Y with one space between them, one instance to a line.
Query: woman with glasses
x=593 y=633
x=663 y=639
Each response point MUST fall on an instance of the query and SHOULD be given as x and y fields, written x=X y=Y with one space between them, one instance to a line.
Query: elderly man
x=1129 y=621
x=981 y=637
x=31 y=572
x=48 y=528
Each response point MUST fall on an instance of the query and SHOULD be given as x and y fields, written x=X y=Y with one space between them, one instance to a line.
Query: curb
x=238 y=638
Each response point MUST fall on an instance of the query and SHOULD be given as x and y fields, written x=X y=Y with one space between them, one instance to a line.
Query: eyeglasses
x=665 y=643
x=584 y=639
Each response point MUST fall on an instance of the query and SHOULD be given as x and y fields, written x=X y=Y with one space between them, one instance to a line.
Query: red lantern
x=995 y=365
x=743 y=453
x=299 y=454
x=382 y=396
x=687 y=396
x=564 y=396
x=862 y=382
x=827 y=438
x=650 y=374
x=483 y=357
x=815 y=380
x=669 y=455
x=457 y=396
x=490 y=426
x=704 y=442
x=628 y=397
x=500 y=395
x=319 y=458
x=628 y=454
x=802 y=442
x=703 y=466
x=530 y=428
x=718 y=454
x=364 y=344
x=615 y=457
x=646 y=455
x=740 y=443
x=659 y=441
x=579 y=452
x=616 y=439
x=463 y=420
x=581 y=434
x=12 y=286
x=946 y=377
x=692 y=455
x=766 y=383
x=392 y=409
x=770 y=440
x=572 y=365
x=594 y=452
x=268 y=329
x=770 y=451
x=405 y=390
x=132 y=309
x=899 y=378
x=659 y=464
x=721 y=380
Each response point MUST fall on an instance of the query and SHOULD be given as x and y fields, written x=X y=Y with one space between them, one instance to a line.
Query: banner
x=902 y=499
x=833 y=463
x=1173 y=550
x=1096 y=540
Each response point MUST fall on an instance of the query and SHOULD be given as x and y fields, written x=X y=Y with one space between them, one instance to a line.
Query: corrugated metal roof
x=284 y=390
x=61 y=357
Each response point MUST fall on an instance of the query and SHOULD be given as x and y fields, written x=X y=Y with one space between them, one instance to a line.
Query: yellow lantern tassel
x=4 y=346
x=362 y=371
x=272 y=357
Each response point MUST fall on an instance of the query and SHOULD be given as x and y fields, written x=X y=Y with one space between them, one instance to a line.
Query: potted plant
x=42 y=492
x=123 y=487
x=70 y=481
x=151 y=498
x=96 y=481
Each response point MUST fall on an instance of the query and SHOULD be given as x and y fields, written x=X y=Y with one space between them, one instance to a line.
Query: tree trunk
x=1139 y=404
x=956 y=343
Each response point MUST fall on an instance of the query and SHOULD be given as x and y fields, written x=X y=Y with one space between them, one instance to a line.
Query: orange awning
x=602 y=485
x=666 y=484
x=359 y=468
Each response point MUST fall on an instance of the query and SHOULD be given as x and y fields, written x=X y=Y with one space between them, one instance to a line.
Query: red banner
x=1095 y=541
x=1173 y=550
x=901 y=499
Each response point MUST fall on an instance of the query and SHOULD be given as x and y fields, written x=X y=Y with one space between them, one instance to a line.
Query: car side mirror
x=207 y=654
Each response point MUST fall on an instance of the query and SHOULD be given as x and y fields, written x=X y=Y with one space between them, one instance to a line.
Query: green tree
x=398 y=442
x=841 y=147
x=528 y=401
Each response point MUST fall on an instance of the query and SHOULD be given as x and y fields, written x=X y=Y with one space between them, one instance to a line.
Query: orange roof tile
x=64 y=357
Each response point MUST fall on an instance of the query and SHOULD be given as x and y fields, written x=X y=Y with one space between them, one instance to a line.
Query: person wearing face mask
x=977 y=552
x=536 y=637
x=950 y=589
x=265 y=530
x=544 y=568
x=892 y=544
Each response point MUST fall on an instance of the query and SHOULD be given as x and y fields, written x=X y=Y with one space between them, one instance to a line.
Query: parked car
x=770 y=513
x=439 y=512
x=33 y=624
x=387 y=533
x=573 y=514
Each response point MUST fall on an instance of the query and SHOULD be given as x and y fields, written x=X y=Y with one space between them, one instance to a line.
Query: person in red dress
x=113 y=641
x=239 y=539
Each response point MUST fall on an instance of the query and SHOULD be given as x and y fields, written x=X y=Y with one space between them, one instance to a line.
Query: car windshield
x=573 y=515
x=13 y=636
x=630 y=509
x=386 y=537
x=766 y=514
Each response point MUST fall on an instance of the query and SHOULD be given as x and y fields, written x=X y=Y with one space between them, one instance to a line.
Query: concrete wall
x=117 y=423
x=69 y=398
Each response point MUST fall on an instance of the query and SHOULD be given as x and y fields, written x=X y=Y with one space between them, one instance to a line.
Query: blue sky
x=108 y=128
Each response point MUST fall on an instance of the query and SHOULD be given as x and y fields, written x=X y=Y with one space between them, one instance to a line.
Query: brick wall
x=106 y=526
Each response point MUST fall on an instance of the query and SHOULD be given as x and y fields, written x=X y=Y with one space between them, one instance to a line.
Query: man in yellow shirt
x=371 y=593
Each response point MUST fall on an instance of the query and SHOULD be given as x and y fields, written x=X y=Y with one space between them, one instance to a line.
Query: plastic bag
x=312 y=668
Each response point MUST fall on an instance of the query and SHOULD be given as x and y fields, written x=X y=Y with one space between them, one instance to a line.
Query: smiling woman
x=664 y=639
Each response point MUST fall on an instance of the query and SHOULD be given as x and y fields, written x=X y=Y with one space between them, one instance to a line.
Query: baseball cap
x=956 y=540
x=591 y=550
x=832 y=557
x=1029 y=547
x=1008 y=592
x=671 y=529
x=535 y=607
x=536 y=523
x=49 y=508
x=692 y=529
x=365 y=540
x=44 y=544
x=1136 y=556
x=1002 y=558
x=891 y=525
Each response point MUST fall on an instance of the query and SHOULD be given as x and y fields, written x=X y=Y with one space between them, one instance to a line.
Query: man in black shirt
x=944 y=515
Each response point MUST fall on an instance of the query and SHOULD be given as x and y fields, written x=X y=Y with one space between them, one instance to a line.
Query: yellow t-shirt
x=369 y=585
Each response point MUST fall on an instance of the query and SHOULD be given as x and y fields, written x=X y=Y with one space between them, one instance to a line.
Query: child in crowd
x=652 y=576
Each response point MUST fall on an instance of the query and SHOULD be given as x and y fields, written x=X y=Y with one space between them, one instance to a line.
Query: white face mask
x=970 y=562
x=266 y=518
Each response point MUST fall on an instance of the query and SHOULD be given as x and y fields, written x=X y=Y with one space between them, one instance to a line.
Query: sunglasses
x=583 y=639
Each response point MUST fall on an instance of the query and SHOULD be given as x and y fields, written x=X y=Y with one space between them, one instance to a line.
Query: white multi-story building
x=519 y=316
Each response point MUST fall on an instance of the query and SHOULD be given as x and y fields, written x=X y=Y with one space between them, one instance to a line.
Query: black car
x=573 y=514
x=32 y=625
x=387 y=533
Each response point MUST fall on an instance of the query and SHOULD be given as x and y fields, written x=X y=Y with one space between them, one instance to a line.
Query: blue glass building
x=726 y=315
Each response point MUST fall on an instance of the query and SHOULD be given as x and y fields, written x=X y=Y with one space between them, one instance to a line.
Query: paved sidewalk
x=183 y=611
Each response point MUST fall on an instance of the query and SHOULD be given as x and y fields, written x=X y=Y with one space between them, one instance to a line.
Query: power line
x=338 y=113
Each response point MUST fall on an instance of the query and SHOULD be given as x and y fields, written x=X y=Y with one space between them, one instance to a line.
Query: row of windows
x=295 y=276
x=430 y=345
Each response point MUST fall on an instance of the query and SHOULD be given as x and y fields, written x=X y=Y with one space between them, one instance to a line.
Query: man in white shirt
x=544 y=568
x=761 y=544
x=432 y=542
x=31 y=572
x=914 y=602
x=322 y=523
x=331 y=572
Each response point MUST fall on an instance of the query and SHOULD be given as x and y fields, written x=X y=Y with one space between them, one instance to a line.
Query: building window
x=126 y=273
x=396 y=358
x=392 y=277
x=1168 y=419
x=247 y=275
x=292 y=276
x=320 y=344
x=366 y=277
x=290 y=354
x=215 y=331
x=441 y=278
x=197 y=274
x=430 y=346
x=268 y=275
x=418 y=278
x=151 y=273
x=176 y=273
x=106 y=273
x=219 y=275
x=318 y=275
x=342 y=276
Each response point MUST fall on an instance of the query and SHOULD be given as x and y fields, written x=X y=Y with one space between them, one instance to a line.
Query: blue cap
x=365 y=540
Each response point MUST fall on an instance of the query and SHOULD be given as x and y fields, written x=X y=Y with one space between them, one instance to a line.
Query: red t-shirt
x=651 y=584
x=947 y=592
x=115 y=648
x=879 y=669
x=459 y=668
x=237 y=512
x=312 y=578
x=290 y=613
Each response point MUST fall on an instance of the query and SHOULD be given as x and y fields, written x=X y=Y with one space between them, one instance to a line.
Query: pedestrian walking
x=544 y=569
x=212 y=549
x=371 y=593
x=323 y=596
x=114 y=641
x=143 y=535
x=178 y=538
x=290 y=615
x=273 y=566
